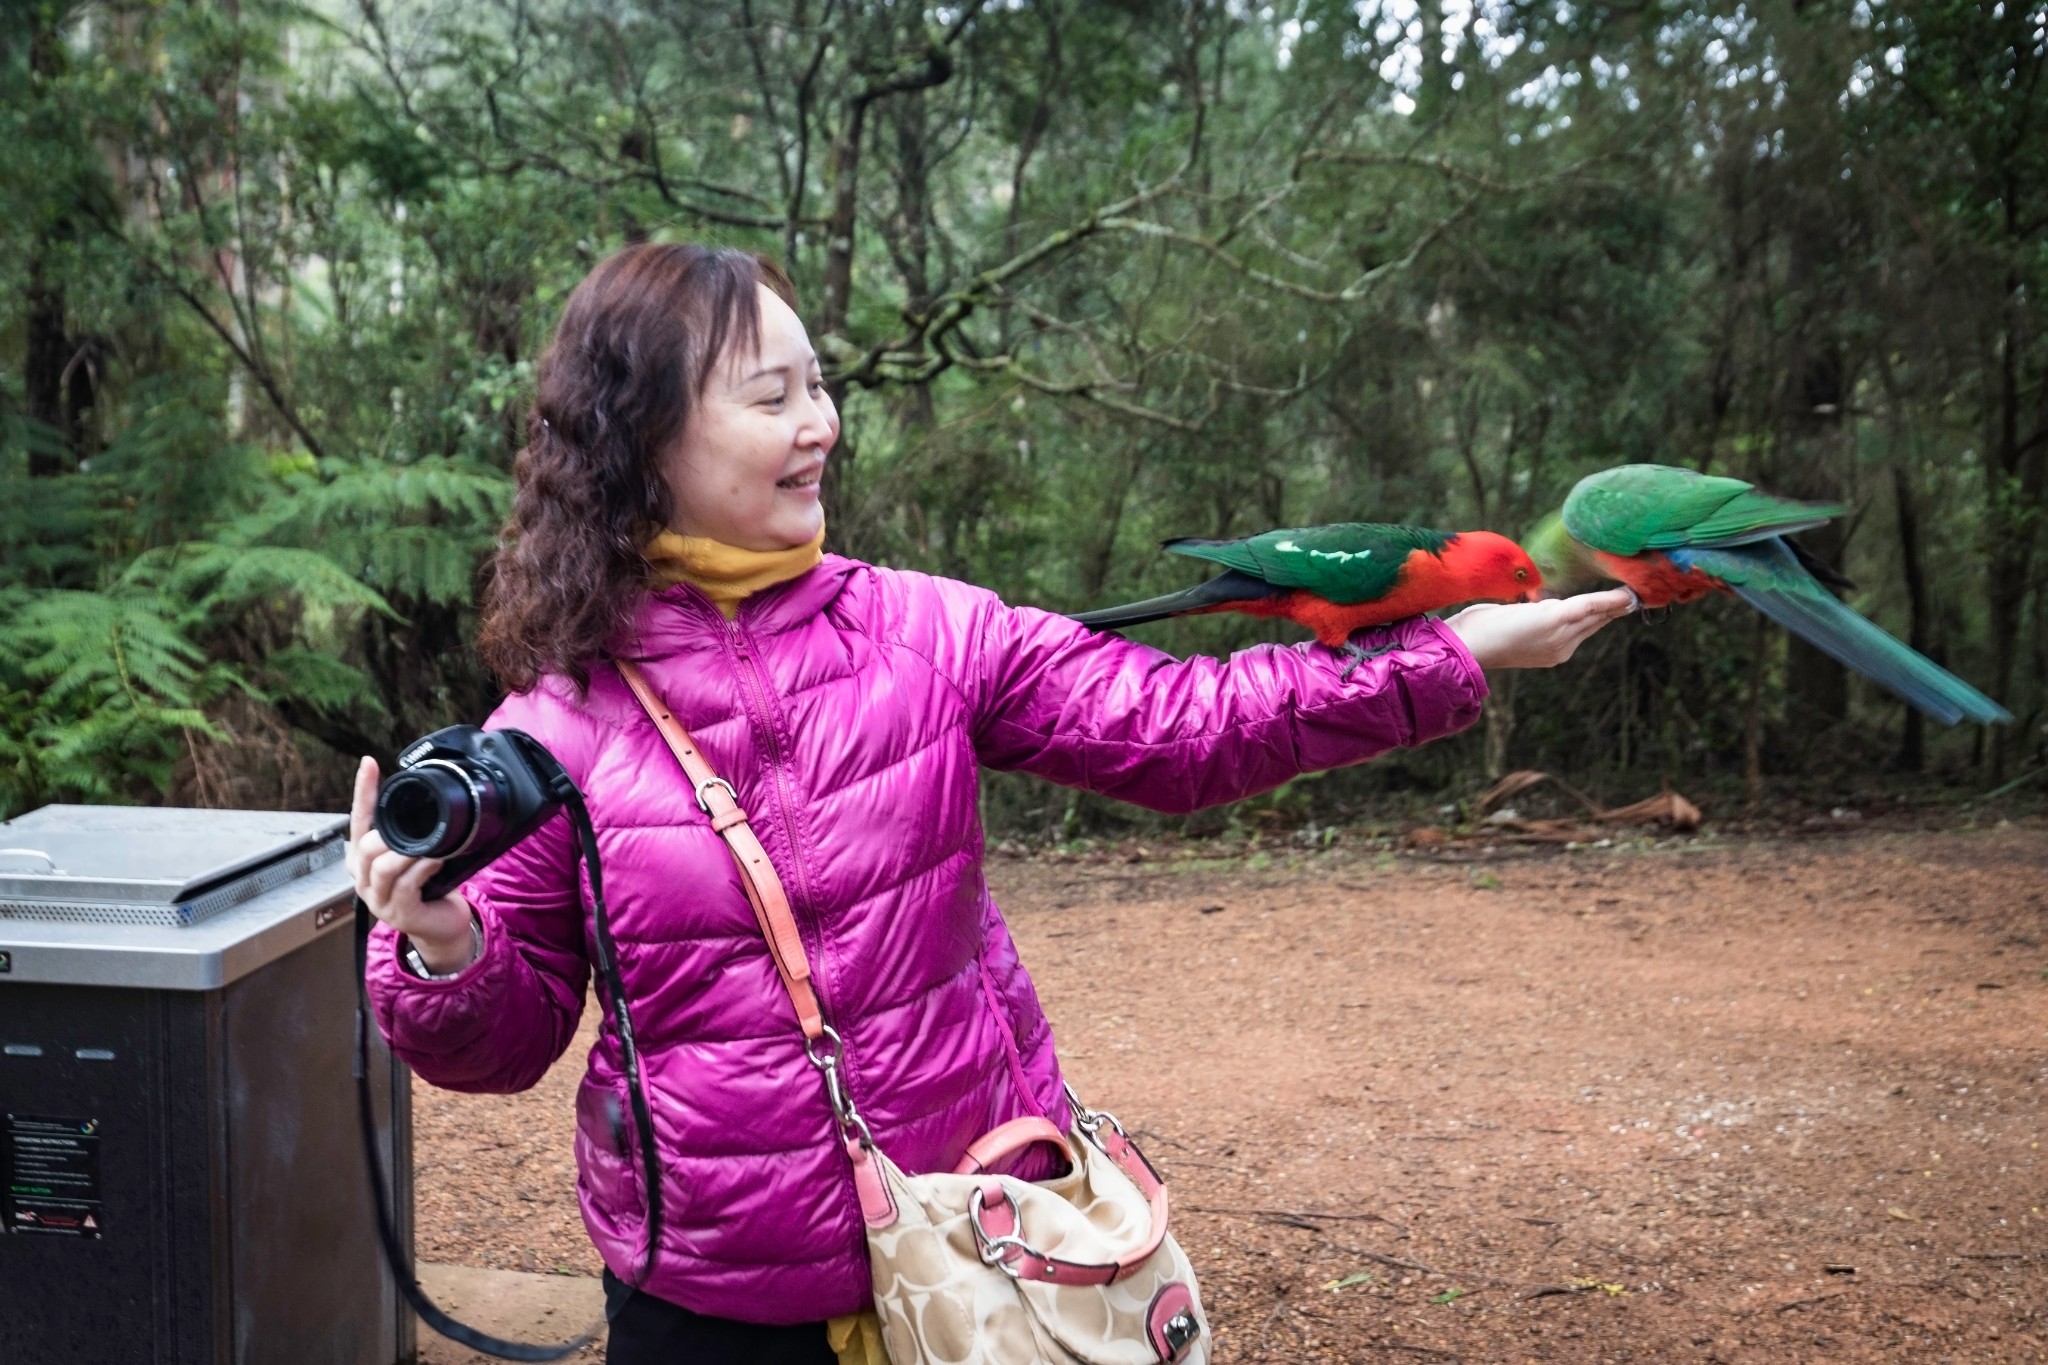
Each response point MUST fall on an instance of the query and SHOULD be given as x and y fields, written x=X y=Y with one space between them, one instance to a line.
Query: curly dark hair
x=636 y=344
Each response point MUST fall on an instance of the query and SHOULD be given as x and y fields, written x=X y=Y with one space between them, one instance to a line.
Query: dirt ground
x=1768 y=1100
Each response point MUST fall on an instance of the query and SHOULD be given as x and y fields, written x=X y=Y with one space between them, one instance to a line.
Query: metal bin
x=183 y=1177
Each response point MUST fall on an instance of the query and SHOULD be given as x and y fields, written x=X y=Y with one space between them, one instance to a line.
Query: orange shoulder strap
x=717 y=799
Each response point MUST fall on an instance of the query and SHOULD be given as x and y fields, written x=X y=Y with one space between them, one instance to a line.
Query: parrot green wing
x=1346 y=563
x=1636 y=507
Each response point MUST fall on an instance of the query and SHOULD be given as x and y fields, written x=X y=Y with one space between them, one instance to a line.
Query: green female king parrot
x=1341 y=578
x=1674 y=535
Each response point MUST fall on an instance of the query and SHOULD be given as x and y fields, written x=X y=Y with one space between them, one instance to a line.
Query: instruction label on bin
x=52 y=1168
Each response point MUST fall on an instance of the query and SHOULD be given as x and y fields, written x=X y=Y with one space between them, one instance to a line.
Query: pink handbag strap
x=1007 y=1139
x=717 y=799
x=994 y=1218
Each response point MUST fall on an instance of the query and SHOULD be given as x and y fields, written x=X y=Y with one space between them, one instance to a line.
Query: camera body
x=466 y=795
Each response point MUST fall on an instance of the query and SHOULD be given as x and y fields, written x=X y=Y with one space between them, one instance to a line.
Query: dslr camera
x=466 y=795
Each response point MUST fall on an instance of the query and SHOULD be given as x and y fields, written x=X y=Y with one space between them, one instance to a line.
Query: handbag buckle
x=1180 y=1329
x=996 y=1251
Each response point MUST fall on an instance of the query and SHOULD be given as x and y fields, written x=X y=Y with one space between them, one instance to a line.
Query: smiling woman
x=663 y=572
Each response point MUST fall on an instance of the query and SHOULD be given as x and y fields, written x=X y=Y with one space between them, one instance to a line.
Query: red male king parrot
x=1341 y=578
x=1674 y=535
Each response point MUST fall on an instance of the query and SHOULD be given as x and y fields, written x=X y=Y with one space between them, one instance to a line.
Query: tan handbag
x=972 y=1267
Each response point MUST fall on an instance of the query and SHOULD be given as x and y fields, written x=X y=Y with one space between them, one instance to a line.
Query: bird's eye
x=1521 y=575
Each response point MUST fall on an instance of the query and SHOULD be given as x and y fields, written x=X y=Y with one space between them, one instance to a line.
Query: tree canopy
x=1085 y=276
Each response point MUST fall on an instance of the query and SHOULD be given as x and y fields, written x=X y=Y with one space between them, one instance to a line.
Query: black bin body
x=222 y=1212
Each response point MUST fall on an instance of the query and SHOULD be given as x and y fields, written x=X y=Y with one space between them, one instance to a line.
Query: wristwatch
x=417 y=965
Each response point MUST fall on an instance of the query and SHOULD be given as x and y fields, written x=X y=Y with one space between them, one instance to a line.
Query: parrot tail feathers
x=1833 y=628
x=1218 y=592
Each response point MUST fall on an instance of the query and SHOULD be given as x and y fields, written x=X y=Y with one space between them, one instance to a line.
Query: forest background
x=1085 y=275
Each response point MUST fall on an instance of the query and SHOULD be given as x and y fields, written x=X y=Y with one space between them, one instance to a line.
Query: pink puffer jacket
x=850 y=708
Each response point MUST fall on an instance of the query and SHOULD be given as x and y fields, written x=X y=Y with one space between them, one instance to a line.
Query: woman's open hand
x=1537 y=634
x=390 y=883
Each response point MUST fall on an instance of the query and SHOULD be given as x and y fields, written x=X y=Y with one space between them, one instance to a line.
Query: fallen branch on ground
x=1667 y=808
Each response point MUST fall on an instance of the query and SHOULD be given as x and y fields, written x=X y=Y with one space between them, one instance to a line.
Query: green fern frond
x=102 y=690
x=318 y=679
x=408 y=530
x=89 y=755
x=218 y=578
x=101 y=648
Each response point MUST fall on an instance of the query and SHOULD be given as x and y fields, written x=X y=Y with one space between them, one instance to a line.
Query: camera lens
x=429 y=811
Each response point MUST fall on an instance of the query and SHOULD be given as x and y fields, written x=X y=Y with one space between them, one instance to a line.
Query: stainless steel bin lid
x=153 y=865
x=167 y=898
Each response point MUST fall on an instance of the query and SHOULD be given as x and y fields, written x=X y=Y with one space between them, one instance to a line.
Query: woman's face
x=745 y=470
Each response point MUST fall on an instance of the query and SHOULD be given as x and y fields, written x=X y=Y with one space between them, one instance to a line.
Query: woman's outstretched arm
x=1100 y=712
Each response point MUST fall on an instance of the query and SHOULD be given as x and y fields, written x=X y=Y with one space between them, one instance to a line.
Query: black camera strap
x=395 y=1253
x=629 y=1047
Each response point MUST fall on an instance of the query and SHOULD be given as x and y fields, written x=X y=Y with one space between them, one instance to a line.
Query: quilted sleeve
x=1097 y=711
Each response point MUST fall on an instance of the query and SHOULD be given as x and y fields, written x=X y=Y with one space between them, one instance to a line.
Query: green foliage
x=274 y=279
x=110 y=687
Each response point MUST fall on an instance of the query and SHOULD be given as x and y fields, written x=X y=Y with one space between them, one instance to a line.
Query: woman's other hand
x=390 y=883
x=1537 y=634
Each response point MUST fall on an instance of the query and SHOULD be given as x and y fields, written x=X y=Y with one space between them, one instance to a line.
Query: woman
x=668 y=511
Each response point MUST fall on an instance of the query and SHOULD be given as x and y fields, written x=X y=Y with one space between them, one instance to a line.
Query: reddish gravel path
x=1768 y=1101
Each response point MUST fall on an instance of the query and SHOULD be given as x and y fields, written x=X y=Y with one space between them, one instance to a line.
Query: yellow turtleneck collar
x=725 y=573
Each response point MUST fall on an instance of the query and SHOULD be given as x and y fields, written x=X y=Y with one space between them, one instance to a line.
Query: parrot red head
x=1493 y=568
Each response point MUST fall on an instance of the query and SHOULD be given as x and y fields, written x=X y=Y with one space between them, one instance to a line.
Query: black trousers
x=651 y=1331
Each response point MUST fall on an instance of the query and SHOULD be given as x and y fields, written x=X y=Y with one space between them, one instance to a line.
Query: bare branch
x=952 y=308
x=1351 y=293
x=1444 y=167
x=1105 y=391
x=1093 y=390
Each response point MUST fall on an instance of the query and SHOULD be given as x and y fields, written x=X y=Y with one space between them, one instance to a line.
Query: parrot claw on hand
x=1358 y=654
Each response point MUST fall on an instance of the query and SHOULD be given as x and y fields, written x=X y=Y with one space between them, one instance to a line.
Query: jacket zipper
x=764 y=717
x=758 y=706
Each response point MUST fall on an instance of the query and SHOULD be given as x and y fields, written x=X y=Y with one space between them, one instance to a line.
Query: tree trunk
x=635 y=145
x=935 y=68
x=1500 y=723
x=2019 y=470
x=1433 y=93
x=845 y=177
x=48 y=351
x=1816 y=685
x=48 y=348
x=1913 y=743
x=1814 y=459
x=1753 y=718
x=838 y=283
